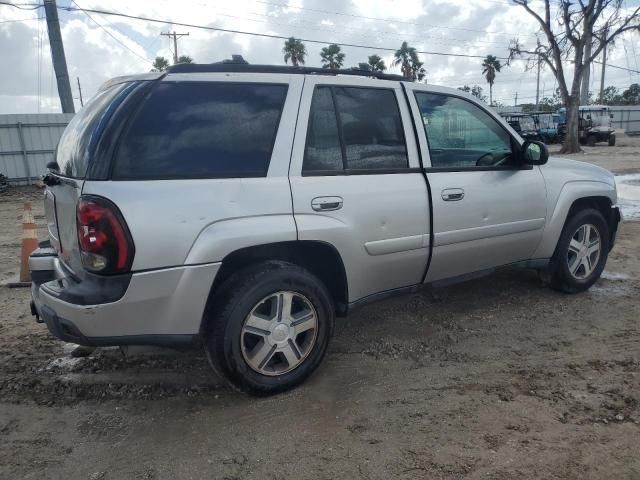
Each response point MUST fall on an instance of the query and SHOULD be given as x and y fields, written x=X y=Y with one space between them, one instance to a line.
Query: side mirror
x=53 y=165
x=534 y=153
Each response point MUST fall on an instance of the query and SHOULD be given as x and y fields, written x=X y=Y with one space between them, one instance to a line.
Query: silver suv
x=246 y=206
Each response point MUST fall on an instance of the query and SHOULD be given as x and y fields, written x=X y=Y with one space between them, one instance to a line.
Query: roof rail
x=238 y=67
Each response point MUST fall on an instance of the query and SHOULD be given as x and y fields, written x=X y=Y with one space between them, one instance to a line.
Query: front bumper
x=615 y=219
x=158 y=307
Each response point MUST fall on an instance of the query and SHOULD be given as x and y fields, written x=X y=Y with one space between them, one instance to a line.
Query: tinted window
x=323 y=151
x=72 y=154
x=187 y=130
x=461 y=134
x=371 y=128
x=365 y=134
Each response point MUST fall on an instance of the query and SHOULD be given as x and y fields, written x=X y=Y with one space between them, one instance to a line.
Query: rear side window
x=72 y=154
x=354 y=128
x=202 y=130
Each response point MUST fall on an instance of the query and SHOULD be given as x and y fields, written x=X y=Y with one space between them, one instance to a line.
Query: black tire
x=561 y=277
x=612 y=140
x=236 y=299
x=591 y=140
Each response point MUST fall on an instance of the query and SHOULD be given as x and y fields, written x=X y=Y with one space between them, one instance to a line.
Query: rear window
x=202 y=130
x=74 y=148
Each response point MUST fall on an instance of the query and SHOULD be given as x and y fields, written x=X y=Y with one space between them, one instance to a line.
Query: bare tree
x=576 y=24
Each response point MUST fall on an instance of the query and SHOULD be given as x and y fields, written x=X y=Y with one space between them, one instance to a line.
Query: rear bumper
x=159 y=307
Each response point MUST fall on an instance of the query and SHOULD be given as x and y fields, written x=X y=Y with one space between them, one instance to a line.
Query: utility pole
x=80 y=92
x=175 y=36
x=57 y=56
x=604 y=63
x=515 y=104
x=538 y=85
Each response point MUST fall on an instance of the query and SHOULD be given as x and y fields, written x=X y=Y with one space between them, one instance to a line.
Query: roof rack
x=238 y=67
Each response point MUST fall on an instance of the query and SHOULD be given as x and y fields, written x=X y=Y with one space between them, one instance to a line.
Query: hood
x=574 y=170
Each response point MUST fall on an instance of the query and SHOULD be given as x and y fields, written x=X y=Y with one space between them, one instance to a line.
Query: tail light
x=105 y=242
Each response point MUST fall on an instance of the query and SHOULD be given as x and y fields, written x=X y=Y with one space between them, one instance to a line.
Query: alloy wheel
x=279 y=333
x=584 y=251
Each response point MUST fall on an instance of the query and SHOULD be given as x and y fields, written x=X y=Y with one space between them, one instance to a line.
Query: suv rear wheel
x=581 y=252
x=269 y=327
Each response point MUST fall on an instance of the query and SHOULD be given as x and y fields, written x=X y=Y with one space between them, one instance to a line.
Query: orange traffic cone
x=29 y=241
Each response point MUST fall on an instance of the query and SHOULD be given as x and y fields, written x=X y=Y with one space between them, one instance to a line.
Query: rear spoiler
x=130 y=78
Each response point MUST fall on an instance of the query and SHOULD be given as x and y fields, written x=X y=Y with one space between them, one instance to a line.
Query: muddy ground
x=498 y=378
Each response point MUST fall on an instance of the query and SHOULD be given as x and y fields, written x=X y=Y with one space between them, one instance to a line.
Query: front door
x=488 y=209
x=356 y=181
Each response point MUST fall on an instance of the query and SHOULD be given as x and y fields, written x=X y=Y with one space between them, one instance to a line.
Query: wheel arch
x=320 y=258
x=576 y=196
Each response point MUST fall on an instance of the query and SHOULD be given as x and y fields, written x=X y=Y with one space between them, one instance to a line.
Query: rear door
x=75 y=148
x=357 y=184
x=488 y=209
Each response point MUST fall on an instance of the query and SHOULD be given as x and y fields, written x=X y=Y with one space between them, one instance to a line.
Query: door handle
x=452 y=194
x=326 y=204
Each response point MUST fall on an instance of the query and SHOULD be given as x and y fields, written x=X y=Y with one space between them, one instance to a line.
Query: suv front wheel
x=581 y=252
x=269 y=327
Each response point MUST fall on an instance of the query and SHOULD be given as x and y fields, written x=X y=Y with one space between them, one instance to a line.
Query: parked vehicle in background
x=594 y=125
x=546 y=126
x=524 y=124
x=245 y=206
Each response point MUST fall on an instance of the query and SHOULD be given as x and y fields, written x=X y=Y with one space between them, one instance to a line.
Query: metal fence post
x=24 y=153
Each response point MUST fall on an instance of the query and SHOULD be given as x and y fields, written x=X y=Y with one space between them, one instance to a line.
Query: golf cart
x=594 y=125
x=523 y=124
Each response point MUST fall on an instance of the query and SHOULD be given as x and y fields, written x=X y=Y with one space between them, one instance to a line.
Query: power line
x=386 y=20
x=23 y=6
x=378 y=33
x=107 y=32
x=263 y=35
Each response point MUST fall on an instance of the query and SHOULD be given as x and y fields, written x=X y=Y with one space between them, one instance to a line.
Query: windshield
x=527 y=123
x=600 y=118
x=73 y=147
x=545 y=121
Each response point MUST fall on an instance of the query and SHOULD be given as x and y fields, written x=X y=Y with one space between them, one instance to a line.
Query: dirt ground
x=499 y=378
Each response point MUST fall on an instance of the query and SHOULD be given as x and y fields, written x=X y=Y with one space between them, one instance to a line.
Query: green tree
x=574 y=33
x=185 y=59
x=476 y=91
x=295 y=51
x=631 y=96
x=490 y=66
x=332 y=57
x=160 y=64
x=376 y=63
x=410 y=64
x=610 y=96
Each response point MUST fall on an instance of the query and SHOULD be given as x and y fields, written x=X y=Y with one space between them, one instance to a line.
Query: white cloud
x=454 y=26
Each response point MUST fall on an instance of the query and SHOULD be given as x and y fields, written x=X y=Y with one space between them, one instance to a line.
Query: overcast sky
x=476 y=27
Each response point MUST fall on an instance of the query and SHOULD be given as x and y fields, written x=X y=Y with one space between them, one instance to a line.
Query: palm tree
x=332 y=57
x=490 y=66
x=376 y=63
x=411 y=66
x=295 y=51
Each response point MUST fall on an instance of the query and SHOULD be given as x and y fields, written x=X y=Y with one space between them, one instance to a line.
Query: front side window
x=462 y=135
x=354 y=128
x=202 y=130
